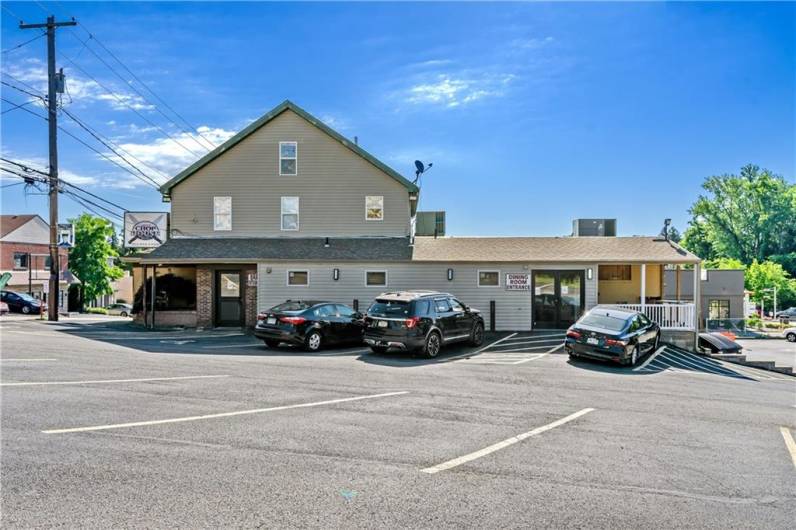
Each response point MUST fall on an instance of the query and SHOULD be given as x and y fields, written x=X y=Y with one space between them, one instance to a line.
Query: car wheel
x=271 y=343
x=378 y=349
x=123 y=314
x=633 y=356
x=313 y=341
x=26 y=309
x=432 y=345
x=477 y=336
x=791 y=337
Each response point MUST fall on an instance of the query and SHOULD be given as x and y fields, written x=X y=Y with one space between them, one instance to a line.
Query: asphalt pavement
x=782 y=352
x=107 y=425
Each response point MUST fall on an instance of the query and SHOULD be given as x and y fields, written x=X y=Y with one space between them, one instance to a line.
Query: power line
x=18 y=46
x=103 y=208
x=104 y=140
x=25 y=167
x=45 y=178
x=11 y=185
x=17 y=107
x=135 y=77
x=100 y=153
x=126 y=104
x=106 y=144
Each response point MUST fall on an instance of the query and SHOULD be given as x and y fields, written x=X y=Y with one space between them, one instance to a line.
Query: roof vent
x=594 y=227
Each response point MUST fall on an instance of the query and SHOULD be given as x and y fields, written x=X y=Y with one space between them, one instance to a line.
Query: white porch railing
x=667 y=316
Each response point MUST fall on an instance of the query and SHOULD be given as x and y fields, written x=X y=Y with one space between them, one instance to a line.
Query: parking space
x=215 y=429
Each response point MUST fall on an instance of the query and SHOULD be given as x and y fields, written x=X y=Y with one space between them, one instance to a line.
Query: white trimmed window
x=290 y=213
x=222 y=213
x=488 y=278
x=288 y=158
x=374 y=208
x=376 y=278
x=298 y=278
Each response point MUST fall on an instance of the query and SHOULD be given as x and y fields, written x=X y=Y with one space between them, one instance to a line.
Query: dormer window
x=288 y=158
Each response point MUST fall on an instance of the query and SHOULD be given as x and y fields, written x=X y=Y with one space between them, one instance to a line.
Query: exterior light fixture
x=326 y=243
x=450 y=275
x=336 y=274
x=589 y=273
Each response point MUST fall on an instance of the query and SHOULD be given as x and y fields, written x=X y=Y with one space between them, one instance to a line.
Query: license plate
x=270 y=320
x=592 y=340
x=382 y=323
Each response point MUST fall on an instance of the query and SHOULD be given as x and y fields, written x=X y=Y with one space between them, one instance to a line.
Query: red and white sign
x=518 y=281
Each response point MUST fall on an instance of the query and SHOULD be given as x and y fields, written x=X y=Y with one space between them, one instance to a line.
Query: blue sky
x=532 y=113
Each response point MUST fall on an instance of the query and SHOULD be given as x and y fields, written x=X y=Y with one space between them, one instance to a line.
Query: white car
x=123 y=310
x=789 y=334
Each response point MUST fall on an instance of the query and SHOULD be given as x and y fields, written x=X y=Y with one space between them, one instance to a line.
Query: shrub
x=96 y=310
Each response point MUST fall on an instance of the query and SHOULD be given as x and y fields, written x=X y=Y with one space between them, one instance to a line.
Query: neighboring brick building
x=24 y=252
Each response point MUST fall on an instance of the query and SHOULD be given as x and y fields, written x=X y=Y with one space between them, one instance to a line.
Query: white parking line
x=505 y=443
x=789 y=443
x=98 y=381
x=557 y=348
x=649 y=359
x=222 y=414
x=25 y=360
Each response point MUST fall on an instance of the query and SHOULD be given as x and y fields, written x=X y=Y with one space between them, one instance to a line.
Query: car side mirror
x=467 y=309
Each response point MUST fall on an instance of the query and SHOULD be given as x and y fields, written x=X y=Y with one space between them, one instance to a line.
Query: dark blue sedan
x=609 y=334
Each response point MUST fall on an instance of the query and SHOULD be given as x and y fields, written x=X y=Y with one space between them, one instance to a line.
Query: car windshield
x=604 y=321
x=291 y=307
x=389 y=308
x=27 y=297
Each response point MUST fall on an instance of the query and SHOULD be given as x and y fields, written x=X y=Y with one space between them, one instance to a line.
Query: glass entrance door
x=228 y=298
x=558 y=298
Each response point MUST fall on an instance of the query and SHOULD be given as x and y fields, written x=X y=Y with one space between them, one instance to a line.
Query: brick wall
x=204 y=296
x=249 y=298
x=7 y=250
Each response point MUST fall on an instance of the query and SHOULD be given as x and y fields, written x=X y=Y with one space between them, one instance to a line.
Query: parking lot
x=104 y=424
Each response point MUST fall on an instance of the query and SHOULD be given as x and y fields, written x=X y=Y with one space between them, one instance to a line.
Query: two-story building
x=290 y=209
x=25 y=254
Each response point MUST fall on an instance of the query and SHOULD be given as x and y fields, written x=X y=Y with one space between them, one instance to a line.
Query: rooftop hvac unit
x=430 y=224
x=594 y=227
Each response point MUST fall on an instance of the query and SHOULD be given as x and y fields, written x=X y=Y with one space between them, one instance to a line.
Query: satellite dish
x=420 y=167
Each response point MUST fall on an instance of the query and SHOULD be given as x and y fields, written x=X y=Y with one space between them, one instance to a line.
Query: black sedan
x=310 y=324
x=613 y=335
x=22 y=303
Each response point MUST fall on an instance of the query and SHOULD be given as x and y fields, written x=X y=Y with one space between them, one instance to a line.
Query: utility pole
x=52 y=118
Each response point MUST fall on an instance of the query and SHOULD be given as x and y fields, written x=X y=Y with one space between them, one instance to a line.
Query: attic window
x=288 y=158
x=374 y=208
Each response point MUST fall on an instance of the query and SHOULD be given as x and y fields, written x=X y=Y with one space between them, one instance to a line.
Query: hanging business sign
x=145 y=229
x=518 y=281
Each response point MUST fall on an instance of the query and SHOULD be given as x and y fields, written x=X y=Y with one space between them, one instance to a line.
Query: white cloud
x=41 y=164
x=530 y=43
x=81 y=90
x=451 y=90
x=168 y=156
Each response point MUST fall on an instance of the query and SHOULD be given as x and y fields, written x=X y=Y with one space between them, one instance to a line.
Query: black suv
x=421 y=320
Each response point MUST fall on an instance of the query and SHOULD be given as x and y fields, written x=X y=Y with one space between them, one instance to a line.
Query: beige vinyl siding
x=512 y=308
x=332 y=183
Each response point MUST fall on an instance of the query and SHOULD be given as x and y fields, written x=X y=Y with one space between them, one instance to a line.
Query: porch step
x=729 y=357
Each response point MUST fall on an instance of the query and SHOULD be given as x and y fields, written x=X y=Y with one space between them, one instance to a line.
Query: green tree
x=91 y=259
x=762 y=277
x=750 y=216
x=723 y=263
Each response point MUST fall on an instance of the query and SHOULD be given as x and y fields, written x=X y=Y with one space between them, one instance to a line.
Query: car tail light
x=293 y=320
x=573 y=334
x=411 y=322
x=614 y=342
x=261 y=316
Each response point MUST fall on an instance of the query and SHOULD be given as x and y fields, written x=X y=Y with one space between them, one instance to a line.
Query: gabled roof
x=286 y=105
x=636 y=249
x=9 y=223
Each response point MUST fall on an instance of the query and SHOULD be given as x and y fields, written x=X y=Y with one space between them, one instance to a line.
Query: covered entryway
x=229 y=306
x=559 y=298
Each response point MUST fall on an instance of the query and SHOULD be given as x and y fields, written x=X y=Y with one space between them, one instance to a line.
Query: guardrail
x=667 y=316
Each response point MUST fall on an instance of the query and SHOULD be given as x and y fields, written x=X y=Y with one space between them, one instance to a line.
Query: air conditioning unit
x=430 y=224
x=594 y=227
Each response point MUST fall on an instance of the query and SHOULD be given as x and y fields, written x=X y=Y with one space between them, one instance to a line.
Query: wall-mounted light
x=336 y=274
x=326 y=242
x=268 y=270
x=589 y=273
x=450 y=275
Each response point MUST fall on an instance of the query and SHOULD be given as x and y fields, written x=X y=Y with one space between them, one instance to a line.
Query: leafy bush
x=97 y=310
x=753 y=322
